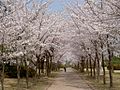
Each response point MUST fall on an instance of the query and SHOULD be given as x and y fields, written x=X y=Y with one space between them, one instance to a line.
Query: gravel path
x=69 y=80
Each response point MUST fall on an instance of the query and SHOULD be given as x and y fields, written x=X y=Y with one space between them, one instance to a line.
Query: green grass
x=115 y=60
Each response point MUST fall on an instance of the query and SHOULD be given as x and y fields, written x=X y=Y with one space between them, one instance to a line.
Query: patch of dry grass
x=34 y=84
x=100 y=86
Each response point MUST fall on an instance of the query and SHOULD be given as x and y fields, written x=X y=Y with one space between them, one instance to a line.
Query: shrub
x=115 y=63
x=11 y=71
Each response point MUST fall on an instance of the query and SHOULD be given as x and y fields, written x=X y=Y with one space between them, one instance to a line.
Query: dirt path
x=69 y=81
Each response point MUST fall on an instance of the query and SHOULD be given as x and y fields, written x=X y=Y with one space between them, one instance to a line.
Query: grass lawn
x=100 y=86
x=39 y=84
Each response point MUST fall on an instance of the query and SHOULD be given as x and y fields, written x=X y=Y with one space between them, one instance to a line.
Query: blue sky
x=58 y=5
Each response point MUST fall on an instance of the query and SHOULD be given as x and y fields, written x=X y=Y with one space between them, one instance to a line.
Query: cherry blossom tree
x=96 y=20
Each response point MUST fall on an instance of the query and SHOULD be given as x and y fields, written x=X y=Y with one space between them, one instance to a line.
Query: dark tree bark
x=94 y=68
x=110 y=63
x=50 y=64
x=27 y=70
x=3 y=66
x=47 y=66
x=18 y=72
x=38 y=65
x=2 y=76
x=97 y=60
x=42 y=66
x=98 y=68
x=90 y=64
x=103 y=66
x=103 y=62
x=35 y=78
x=82 y=65
x=87 y=64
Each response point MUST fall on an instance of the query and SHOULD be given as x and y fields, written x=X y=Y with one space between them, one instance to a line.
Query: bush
x=115 y=60
x=11 y=71
x=115 y=63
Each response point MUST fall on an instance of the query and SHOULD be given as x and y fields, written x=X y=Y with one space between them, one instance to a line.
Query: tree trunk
x=103 y=62
x=50 y=64
x=18 y=72
x=82 y=65
x=27 y=76
x=87 y=64
x=94 y=67
x=38 y=65
x=39 y=71
x=97 y=59
x=3 y=66
x=110 y=69
x=90 y=66
x=36 y=71
x=35 y=78
x=47 y=66
x=42 y=66
x=103 y=66
x=110 y=63
x=98 y=70
x=2 y=76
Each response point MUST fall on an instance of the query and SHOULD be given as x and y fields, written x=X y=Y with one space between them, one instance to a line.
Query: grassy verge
x=99 y=85
x=34 y=84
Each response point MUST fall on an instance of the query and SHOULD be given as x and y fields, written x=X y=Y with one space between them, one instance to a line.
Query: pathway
x=69 y=80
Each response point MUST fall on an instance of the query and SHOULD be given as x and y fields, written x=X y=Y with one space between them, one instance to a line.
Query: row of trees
x=30 y=35
x=37 y=37
x=97 y=34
